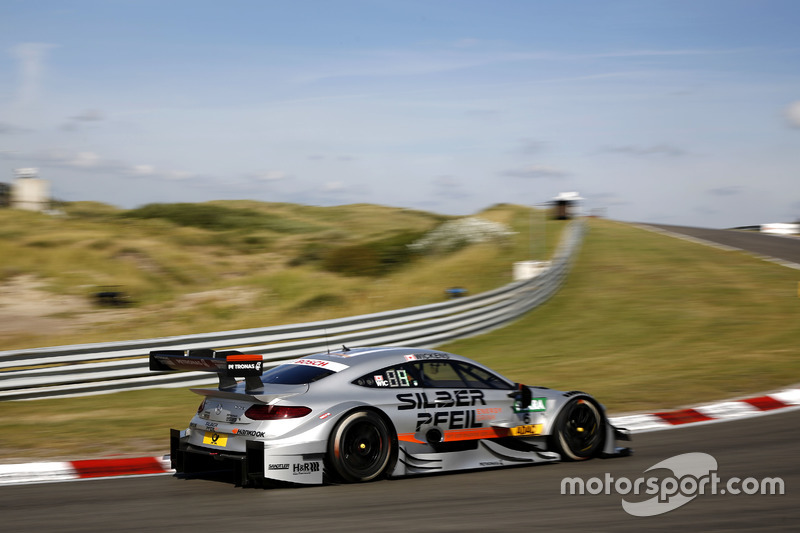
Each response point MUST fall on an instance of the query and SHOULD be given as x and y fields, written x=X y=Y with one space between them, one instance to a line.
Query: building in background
x=29 y=192
x=5 y=195
x=566 y=205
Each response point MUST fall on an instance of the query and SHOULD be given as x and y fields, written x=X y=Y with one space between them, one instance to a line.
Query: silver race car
x=357 y=415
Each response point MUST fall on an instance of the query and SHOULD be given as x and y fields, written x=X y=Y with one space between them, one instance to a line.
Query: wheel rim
x=582 y=428
x=362 y=448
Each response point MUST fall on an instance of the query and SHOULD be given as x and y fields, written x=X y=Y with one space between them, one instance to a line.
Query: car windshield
x=294 y=374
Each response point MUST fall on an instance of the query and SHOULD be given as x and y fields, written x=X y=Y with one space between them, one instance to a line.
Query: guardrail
x=80 y=370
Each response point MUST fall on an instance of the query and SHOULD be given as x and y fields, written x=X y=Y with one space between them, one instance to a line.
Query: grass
x=644 y=322
x=648 y=322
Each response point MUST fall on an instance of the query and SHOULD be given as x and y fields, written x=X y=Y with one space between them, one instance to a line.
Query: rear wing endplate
x=228 y=365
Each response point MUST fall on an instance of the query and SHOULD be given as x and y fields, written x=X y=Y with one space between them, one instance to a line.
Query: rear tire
x=360 y=447
x=579 y=431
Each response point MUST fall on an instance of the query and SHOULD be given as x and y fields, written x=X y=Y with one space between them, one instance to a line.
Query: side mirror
x=523 y=395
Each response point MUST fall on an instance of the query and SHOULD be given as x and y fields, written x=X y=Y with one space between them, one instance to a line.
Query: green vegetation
x=644 y=321
x=647 y=321
x=220 y=218
x=194 y=268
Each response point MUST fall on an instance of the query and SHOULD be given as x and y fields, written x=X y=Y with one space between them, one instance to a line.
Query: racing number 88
x=397 y=378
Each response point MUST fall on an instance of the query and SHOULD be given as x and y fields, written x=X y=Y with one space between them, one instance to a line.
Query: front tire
x=579 y=431
x=360 y=447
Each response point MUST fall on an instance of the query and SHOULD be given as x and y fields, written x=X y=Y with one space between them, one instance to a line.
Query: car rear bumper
x=255 y=466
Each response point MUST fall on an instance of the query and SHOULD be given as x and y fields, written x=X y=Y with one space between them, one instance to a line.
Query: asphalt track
x=770 y=246
x=521 y=499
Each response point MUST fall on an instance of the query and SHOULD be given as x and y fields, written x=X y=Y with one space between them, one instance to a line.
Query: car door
x=462 y=402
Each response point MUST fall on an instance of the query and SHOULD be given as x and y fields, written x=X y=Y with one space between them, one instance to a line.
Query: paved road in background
x=519 y=499
x=783 y=248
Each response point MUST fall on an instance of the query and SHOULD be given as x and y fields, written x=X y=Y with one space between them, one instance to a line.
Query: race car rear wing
x=228 y=365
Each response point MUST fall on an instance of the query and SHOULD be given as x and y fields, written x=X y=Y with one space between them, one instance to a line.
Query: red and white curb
x=49 y=472
x=713 y=412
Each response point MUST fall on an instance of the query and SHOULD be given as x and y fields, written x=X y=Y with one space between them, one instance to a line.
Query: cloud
x=11 y=129
x=793 y=114
x=644 y=151
x=85 y=117
x=89 y=115
x=334 y=187
x=85 y=160
x=143 y=170
x=725 y=191
x=271 y=175
x=97 y=164
x=31 y=64
x=530 y=147
x=534 y=172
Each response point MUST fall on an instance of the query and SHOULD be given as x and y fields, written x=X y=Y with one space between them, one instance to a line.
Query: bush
x=355 y=260
x=376 y=258
x=219 y=218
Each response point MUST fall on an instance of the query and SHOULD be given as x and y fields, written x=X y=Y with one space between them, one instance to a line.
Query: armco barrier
x=85 y=369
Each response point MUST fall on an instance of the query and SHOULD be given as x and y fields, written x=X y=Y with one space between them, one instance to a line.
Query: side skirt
x=416 y=459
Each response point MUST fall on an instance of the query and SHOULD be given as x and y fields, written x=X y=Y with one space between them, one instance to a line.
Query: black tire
x=579 y=431
x=360 y=447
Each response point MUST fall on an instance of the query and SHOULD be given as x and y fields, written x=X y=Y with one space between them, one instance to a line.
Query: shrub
x=219 y=218
x=457 y=234
x=376 y=258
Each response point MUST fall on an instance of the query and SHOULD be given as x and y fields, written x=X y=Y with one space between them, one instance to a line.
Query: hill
x=193 y=268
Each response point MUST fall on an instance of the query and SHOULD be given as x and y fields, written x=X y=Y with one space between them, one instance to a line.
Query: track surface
x=522 y=499
x=783 y=248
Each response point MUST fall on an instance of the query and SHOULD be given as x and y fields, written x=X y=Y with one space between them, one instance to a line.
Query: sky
x=676 y=112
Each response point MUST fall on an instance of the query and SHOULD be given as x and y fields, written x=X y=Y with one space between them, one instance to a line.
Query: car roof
x=375 y=357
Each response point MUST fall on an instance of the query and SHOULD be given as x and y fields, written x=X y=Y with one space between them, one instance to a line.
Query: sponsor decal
x=426 y=356
x=231 y=418
x=491 y=463
x=215 y=439
x=442 y=398
x=330 y=365
x=487 y=413
x=380 y=382
x=527 y=430
x=278 y=466
x=255 y=367
x=449 y=419
x=247 y=432
x=244 y=365
x=537 y=405
x=299 y=469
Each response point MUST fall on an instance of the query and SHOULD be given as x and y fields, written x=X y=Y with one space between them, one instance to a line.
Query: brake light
x=202 y=406
x=275 y=412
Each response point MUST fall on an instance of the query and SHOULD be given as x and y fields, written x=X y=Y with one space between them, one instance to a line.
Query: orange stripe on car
x=461 y=434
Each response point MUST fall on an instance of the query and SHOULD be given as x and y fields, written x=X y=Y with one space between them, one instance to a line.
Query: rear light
x=202 y=406
x=275 y=412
